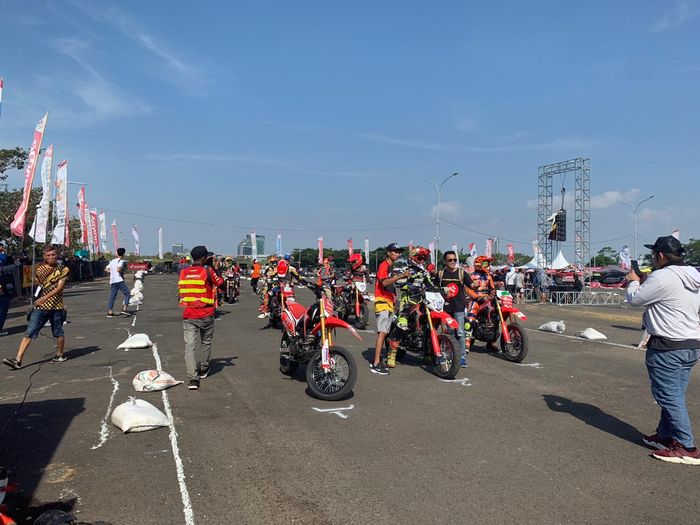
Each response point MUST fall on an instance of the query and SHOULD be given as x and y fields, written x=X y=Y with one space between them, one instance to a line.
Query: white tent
x=538 y=261
x=559 y=262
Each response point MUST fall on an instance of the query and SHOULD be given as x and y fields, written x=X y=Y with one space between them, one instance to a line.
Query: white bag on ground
x=556 y=327
x=138 y=286
x=592 y=334
x=153 y=380
x=137 y=415
x=136 y=341
x=136 y=295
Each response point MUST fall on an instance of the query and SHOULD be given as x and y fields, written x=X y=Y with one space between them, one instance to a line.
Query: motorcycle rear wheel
x=450 y=348
x=519 y=344
x=363 y=319
x=337 y=383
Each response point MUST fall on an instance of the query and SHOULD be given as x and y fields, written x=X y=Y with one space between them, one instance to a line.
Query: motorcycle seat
x=297 y=310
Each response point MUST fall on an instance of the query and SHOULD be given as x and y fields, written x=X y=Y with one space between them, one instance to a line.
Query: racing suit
x=482 y=290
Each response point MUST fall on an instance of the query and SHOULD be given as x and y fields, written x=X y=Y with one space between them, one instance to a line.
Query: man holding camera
x=197 y=287
x=671 y=295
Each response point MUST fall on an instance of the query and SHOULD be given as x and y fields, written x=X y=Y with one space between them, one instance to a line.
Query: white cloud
x=447 y=209
x=611 y=198
x=683 y=11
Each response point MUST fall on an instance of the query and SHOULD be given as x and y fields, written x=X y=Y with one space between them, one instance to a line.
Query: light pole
x=437 y=212
x=635 y=209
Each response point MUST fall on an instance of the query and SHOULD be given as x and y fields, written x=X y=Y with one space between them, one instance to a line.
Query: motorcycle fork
x=326 y=339
x=433 y=335
x=357 y=302
x=504 y=327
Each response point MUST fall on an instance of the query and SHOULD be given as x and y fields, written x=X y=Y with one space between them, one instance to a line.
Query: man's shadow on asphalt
x=217 y=364
x=407 y=360
x=595 y=417
x=70 y=354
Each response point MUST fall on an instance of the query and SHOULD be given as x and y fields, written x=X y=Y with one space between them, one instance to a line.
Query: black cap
x=393 y=247
x=199 y=252
x=668 y=244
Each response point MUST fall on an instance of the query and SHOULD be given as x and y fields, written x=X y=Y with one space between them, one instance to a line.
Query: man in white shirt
x=116 y=269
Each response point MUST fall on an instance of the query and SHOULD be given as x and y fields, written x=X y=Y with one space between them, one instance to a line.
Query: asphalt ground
x=555 y=439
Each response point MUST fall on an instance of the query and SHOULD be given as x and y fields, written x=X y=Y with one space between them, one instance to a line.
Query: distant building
x=245 y=247
x=178 y=249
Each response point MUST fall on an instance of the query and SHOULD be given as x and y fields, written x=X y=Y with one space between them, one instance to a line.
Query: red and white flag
x=82 y=215
x=94 y=231
x=350 y=246
x=472 y=249
x=115 y=236
x=489 y=248
x=511 y=253
x=137 y=243
x=60 y=231
x=17 y=226
x=320 y=250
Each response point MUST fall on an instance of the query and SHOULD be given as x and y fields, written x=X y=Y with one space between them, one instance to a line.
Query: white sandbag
x=136 y=341
x=138 y=286
x=592 y=334
x=136 y=296
x=153 y=380
x=135 y=303
x=556 y=327
x=139 y=274
x=137 y=415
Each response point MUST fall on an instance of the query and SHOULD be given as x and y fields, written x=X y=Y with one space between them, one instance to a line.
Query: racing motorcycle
x=422 y=336
x=498 y=318
x=308 y=337
x=231 y=287
x=356 y=302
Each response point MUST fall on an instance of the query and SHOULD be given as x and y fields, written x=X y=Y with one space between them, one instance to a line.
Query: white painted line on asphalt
x=104 y=430
x=582 y=339
x=463 y=382
x=184 y=494
x=531 y=365
x=337 y=411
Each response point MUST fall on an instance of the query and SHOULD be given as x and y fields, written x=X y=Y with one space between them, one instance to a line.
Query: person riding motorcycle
x=268 y=273
x=411 y=294
x=483 y=289
x=357 y=270
x=326 y=277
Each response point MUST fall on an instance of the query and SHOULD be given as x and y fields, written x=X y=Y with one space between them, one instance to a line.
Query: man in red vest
x=196 y=288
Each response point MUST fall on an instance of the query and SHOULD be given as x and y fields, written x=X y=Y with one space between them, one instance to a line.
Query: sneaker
x=204 y=370
x=655 y=442
x=112 y=315
x=12 y=363
x=124 y=312
x=379 y=369
x=676 y=453
x=59 y=359
x=193 y=384
x=463 y=362
x=263 y=315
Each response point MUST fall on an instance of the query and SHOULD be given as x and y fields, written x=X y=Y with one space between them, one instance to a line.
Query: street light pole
x=437 y=211
x=635 y=209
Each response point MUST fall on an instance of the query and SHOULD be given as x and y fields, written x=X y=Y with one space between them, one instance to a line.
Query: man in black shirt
x=455 y=281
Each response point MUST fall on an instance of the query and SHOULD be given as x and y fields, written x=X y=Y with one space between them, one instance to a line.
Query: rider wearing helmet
x=326 y=277
x=482 y=290
x=268 y=273
x=357 y=270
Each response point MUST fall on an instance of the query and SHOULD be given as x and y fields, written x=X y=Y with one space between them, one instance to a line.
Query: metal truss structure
x=581 y=168
x=584 y=298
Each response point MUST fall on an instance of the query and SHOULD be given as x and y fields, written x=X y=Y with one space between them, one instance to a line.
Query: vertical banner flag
x=431 y=246
x=454 y=249
x=676 y=233
x=88 y=223
x=1 y=86
x=489 y=248
x=350 y=246
x=38 y=231
x=135 y=235
x=17 y=226
x=625 y=258
x=511 y=253
x=82 y=215
x=160 y=242
x=278 y=244
x=103 y=231
x=367 y=251
x=60 y=231
x=320 y=250
x=94 y=229
x=253 y=245
x=472 y=249
x=115 y=236
x=410 y=246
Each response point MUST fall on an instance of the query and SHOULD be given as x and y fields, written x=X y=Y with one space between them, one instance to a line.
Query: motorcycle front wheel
x=516 y=350
x=336 y=383
x=450 y=349
x=363 y=319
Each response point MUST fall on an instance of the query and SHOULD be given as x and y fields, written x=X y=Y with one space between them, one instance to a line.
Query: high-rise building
x=178 y=249
x=245 y=247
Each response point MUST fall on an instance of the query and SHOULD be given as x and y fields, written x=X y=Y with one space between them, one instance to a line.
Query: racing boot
x=391 y=356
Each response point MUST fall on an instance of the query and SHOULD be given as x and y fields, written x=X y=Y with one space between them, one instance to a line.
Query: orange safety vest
x=195 y=288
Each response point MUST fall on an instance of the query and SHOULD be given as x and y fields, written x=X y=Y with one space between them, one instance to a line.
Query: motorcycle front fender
x=515 y=312
x=334 y=322
x=444 y=317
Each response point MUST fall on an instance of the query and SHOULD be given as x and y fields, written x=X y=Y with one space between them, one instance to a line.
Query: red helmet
x=282 y=268
x=479 y=262
x=355 y=260
x=431 y=268
x=419 y=253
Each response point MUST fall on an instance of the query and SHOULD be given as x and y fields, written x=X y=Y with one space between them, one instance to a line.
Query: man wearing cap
x=671 y=295
x=197 y=287
x=384 y=298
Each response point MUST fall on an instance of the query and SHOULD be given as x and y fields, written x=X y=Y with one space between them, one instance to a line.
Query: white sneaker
x=264 y=315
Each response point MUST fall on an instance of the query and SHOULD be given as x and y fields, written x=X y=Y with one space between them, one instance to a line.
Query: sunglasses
x=451 y=260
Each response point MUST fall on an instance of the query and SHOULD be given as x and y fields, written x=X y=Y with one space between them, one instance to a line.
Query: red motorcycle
x=281 y=292
x=308 y=337
x=498 y=318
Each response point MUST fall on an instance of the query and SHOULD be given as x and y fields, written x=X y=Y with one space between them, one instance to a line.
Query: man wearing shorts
x=47 y=307
x=384 y=299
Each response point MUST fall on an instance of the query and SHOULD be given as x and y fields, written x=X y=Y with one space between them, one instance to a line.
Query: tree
x=605 y=257
x=9 y=203
x=12 y=159
x=692 y=252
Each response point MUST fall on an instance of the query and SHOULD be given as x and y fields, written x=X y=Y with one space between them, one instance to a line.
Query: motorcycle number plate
x=435 y=301
x=288 y=289
x=361 y=286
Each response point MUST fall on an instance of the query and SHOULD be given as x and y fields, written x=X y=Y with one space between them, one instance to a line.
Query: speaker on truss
x=558 y=230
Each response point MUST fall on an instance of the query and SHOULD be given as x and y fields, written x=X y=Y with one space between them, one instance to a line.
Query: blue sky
x=325 y=118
